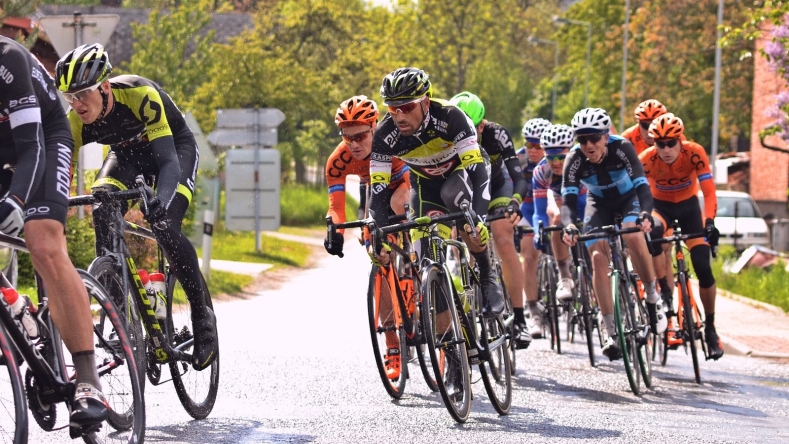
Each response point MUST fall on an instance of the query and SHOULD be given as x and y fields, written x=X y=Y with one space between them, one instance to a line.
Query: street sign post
x=67 y=32
x=257 y=128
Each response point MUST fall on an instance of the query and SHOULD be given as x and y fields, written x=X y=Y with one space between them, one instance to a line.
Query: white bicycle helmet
x=533 y=128
x=591 y=121
x=557 y=137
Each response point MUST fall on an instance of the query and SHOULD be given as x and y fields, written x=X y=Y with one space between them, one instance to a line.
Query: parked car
x=739 y=220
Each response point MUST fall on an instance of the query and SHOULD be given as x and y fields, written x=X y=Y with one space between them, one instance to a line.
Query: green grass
x=240 y=246
x=221 y=282
x=305 y=206
x=765 y=285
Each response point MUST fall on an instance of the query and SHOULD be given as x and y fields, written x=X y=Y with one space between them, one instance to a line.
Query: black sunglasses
x=594 y=138
x=645 y=124
x=666 y=143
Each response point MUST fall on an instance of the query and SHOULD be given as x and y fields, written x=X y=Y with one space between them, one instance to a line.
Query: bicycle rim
x=553 y=312
x=623 y=330
x=13 y=405
x=689 y=327
x=196 y=389
x=381 y=322
x=645 y=343
x=588 y=317
x=446 y=344
x=496 y=373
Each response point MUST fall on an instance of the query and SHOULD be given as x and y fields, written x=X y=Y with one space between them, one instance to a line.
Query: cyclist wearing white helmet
x=556 y=140
x=530 y=155
x=610 y=169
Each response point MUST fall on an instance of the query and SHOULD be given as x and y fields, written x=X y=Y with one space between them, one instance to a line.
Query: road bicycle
x=547 y=278
x=154 y=342
x=690 y=327
x=49 y=377
x=586 y=316
x=393 y=302
x=630 y=314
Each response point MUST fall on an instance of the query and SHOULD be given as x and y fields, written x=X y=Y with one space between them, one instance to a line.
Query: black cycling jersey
x=497 y=142
x=619 y=174
x=143 y=124
x=34 y=133
x=445 y=142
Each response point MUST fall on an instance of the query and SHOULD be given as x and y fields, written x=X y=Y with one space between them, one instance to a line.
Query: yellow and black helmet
x=404 y=85
x=83 y=67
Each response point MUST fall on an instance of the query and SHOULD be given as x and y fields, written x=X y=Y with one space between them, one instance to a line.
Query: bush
x=766 y=285
x=303 y=205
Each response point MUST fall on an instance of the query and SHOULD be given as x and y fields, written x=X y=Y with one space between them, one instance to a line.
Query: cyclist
x=36 y=142
x=147 y=135
x=608 y=166
x=556 y=140
x=507 y=185
x=530 y=155
x=638 y=134
x=357 y=118
x=675 y=170
x=439 y=144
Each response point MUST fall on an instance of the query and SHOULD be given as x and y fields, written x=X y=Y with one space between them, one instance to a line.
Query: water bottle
x=19 y=305
x=155 y=286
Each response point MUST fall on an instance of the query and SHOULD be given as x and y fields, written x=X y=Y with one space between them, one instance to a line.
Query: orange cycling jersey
x=341 y=164
x=633 y=134
x=680 y=181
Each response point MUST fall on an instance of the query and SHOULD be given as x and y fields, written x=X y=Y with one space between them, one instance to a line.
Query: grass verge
x=765 y=285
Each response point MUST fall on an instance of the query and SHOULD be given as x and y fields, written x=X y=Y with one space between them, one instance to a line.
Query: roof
x=120 y=45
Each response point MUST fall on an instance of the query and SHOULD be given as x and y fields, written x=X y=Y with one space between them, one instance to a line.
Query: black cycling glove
x=515 y=208
x=645 y=216
x=711 y=234
x=335 y=246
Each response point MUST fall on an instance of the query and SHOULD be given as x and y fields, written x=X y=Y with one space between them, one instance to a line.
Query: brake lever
x=468 y=213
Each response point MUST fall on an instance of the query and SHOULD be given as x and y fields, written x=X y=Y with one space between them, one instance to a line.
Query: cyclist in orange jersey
x=676 y=170
x=638 y=134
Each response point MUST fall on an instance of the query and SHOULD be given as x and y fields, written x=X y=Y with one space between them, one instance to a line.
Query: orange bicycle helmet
x=358 y=110
x=666 y=126
x=650 y=110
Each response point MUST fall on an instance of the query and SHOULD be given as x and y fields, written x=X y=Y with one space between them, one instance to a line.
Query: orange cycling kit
x=341 y=164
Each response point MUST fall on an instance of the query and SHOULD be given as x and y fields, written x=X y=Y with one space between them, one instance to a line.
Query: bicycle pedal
x=80 y=431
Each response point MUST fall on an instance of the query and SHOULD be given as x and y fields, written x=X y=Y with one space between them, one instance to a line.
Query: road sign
x=240 y=189
x=96 y=28
x=248 y=118
x=243 y=137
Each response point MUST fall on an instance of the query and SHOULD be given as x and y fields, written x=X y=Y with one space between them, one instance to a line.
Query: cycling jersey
x=680 y=181
x=497 y=142
x=527 y=207
x=633 y=134
x=543 y=180
x=34 y=135
x=341 y=164
x=618 y=175
x=445 y=143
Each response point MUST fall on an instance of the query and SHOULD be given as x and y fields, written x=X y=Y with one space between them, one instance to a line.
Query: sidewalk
x=749 y=327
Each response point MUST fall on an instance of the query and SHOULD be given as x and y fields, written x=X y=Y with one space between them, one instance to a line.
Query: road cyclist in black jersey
x=438 y=142
x=507 y=186
x=147 y=135
x=36 y=142
x=609 y=167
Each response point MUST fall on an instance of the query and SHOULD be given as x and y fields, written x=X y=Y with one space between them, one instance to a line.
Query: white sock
x=650 y=290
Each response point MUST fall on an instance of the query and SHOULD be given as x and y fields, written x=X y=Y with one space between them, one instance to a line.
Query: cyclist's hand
x=334 y=245
x=482 y=234
x=12 y=218
x=711 y=234
x=645 y=221
x=513 y=210
x=380 y=257
x=155 y=211
x=570 y=235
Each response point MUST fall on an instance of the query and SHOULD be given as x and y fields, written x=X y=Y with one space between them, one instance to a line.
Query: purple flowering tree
x=777 y=51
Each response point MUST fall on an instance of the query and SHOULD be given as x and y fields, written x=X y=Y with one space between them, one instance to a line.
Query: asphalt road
x=297 y=367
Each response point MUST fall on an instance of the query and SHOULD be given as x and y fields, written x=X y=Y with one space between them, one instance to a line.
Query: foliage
x=302 y=205
x=240 y=246
x=766 y=285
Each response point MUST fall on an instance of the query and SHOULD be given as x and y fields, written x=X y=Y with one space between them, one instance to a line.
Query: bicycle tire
x=688 y=326
x=588 y=317
x=553 y=308
x=196 y=390
x=394 y=388
x=108 y=272
x=508 y=317
x=645 y=343
x=495 y=371
x=624 y=329
x=120 y=379
x=14 y=422
x=449 y=357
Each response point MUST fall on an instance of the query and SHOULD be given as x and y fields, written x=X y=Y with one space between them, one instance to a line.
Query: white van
x=749 y=226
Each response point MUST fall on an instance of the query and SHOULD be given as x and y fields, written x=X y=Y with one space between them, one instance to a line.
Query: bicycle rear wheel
x=108 y=273
x=689 y=326
x=496 y=372
x=196 y=389
x=588 y=315
x=382 y=323
x=445 y=343
x=548 y=289
x=624 y=331
x=13 y=405
x=116 y=362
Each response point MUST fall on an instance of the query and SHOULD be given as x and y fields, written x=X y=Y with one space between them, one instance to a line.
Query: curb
x=740 y=349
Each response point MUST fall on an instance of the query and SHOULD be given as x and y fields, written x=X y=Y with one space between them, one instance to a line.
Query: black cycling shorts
x=600 y=213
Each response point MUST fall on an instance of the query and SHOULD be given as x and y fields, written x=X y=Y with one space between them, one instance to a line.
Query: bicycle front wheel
x=689 y=326
x=624 y=331
x=445 y=343
x=552 y=307
x=588 y=314
x=196 y=389
x=386 y=332
x=645 y=340
x=496 y=373
x=13 y=405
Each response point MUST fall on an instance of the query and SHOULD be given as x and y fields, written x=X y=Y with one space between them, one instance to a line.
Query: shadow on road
x=223 y=430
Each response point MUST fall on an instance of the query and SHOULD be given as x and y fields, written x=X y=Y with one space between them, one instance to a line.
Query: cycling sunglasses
x=358 y=138
x=80 y=95
x=405 y=108
x=533 y=143
x=666 y=143
x=645 y=124
x=555 y=157
x=594 y=138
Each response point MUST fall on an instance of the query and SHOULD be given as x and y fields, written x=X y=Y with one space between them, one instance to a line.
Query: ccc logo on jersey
x=150 y=112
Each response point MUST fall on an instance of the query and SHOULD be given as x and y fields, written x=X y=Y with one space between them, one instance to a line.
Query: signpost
x=257 y=128
x=63 y=30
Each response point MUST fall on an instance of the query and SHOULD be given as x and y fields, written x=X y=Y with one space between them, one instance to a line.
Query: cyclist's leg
x=530 y=256
x=661 y=253
x=46 y=240
x=561 y=252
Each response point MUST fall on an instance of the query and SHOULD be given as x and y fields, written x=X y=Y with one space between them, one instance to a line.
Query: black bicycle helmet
x=83 y=67
x=403 y=85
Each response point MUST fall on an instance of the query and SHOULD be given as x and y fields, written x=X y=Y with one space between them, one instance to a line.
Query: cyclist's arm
x=335 y=180
x=707 y=185
x=362 y=199
x=471 y=160
x=380 y=177
x=540 y=190
x=152 y=112
x=571 y=185
x=519 y=184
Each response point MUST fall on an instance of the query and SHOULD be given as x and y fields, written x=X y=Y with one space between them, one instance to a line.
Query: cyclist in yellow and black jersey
x=147 y=135
x=438 y=142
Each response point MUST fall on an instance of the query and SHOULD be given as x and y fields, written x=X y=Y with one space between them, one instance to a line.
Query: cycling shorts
x=600 y=213
x=686 y=212
x=50 y=199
